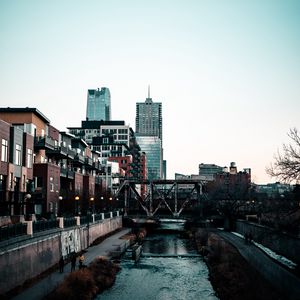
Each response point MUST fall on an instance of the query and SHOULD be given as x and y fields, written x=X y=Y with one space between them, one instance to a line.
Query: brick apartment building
x=43 y=170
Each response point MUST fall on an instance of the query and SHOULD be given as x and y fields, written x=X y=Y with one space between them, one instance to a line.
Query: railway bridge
x=169 y=195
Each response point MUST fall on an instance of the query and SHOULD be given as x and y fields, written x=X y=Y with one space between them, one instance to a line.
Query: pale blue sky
x=227 y=72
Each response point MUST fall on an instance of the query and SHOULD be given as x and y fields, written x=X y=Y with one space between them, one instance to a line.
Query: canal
x=169 y=268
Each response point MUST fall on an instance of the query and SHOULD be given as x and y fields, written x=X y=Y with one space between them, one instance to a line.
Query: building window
x=18 y=158
x=29 y=158
x=4 y=150
x=39 y=182
x=2 y=183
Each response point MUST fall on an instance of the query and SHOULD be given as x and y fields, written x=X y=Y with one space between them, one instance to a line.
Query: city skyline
x=226 y=72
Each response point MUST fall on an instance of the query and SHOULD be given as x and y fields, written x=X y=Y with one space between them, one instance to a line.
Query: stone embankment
x=230 y=274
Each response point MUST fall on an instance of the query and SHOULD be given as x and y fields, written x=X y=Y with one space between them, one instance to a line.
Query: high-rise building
x=98 y=105
x=148 y=120
x=151 y=145
x=148 y=126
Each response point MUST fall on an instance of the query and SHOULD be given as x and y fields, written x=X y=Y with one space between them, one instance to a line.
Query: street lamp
x=110 y=203
x=76 y=204
x=92 y=200
x=60 y=205
x=27 y=197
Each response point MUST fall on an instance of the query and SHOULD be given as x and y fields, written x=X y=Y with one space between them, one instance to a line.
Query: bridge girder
x=159 y=192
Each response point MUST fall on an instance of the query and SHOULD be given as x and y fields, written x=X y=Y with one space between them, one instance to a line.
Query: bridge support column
x=199 y=192
x=176 y=199
x=151 y=199
x=125 y=200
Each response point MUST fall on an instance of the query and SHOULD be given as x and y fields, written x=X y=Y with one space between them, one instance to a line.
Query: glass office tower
x=98 y=105
x=148 y=129
x=151 y=145
x=148 y=120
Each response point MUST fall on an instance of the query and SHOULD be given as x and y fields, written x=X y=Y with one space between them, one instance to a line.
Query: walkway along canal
x=169 y=268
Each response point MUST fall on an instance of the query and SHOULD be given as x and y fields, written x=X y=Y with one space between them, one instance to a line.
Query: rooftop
x=25 y=110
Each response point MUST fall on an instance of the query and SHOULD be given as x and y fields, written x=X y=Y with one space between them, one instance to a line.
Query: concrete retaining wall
x=280 y=243
x=26 y=261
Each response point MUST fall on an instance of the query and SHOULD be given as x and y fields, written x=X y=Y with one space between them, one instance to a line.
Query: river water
x=169 y=268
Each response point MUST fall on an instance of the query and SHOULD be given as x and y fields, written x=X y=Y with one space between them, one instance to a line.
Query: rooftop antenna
x=148 y=91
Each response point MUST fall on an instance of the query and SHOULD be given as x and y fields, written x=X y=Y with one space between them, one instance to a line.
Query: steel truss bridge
x=173 y=195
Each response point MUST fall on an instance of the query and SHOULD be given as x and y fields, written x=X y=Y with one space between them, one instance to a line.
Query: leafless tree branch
x=286 y=166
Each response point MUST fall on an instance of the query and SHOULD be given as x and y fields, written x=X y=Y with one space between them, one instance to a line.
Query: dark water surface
x=168 y=269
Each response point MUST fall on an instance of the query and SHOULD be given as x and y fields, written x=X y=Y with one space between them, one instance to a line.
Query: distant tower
x=98 y=105
x=148 y=128
x=148 y=120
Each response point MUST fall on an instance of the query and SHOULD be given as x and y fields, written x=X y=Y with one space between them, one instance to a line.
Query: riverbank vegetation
x=230 y=274
x=86 y=283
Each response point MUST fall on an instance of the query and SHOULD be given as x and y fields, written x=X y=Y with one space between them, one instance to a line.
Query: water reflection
x=161 y=278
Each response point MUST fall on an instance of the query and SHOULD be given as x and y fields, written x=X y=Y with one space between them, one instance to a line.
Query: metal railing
x=98 y=217
x=44 y=225
x=86 y=219
x=107 y=215
x=20 y=229
x=69 y=222
x=14 y=230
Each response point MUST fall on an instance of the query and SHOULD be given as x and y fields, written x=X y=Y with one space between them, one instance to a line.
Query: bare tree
x=287 y=164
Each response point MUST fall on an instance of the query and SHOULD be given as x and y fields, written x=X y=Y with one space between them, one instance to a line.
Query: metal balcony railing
x=88 y=161
x=63 y=172
x=79 y=158
x=71 y=174
x=44 y=142
x=71 y=153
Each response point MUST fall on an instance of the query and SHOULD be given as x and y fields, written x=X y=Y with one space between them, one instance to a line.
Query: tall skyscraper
x=148 y=120
x=148 y=128
x=151 y=145
x=98 y=105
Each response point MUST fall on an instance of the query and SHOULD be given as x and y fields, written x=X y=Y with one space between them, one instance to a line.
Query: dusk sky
x=227 y=72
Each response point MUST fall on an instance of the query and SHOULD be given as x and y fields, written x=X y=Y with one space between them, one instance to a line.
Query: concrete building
x=98 y=105
x=112 y=139
x=273 y=190
x=208 y=171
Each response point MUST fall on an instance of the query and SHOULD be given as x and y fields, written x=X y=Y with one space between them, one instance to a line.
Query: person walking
x=73 y=262
x=81 y=260
x=61 y=264
x=246 y=238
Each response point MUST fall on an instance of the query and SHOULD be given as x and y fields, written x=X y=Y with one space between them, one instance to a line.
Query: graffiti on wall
x=70 y=242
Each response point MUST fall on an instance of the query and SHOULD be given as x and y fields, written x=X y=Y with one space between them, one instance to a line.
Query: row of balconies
x=63 y=152
x=78 y=160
